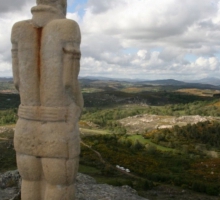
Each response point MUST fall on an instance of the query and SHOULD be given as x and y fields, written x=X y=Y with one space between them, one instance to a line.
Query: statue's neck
x=43 y=14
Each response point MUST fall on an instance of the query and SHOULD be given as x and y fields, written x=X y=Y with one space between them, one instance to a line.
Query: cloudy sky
x=145 y=39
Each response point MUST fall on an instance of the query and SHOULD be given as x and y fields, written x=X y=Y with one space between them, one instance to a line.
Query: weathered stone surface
x=46 y=61
x=10 y=183
x=87 y=189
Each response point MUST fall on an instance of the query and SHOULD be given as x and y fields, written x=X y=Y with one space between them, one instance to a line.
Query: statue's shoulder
x=67 y=28
x=20 y=24
x=18 y=28
x=64 y=23
x=69 y=22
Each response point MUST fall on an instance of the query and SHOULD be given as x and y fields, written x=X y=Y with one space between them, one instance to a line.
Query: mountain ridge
x=210 y=82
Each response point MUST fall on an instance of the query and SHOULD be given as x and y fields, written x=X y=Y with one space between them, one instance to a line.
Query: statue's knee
x=60 y=171
x=29 y=167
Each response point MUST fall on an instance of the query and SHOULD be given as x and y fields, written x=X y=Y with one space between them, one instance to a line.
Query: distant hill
x=173 y=82
x=139 y=81
x=164 y=82
x=102 y=78
x=4 y=79
x=209 y=80
x=208 y=83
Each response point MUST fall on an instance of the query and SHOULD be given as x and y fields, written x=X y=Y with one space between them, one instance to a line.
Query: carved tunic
x=46 y=69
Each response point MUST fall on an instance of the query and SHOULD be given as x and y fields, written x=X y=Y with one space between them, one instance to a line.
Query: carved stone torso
x=56 y=37
x=48 y=115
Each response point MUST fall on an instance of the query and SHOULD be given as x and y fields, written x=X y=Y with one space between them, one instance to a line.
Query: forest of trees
x=207 y=133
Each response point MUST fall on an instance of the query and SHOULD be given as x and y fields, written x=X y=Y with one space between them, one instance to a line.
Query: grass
x=88 y=170
x=7 y=155
x=7 y=125
x=95 y=173
x=144 y=141
x=115 y=178
x=140 y=138
x=217 y=104
x=197 y=92
x=85 y=131
x=8 y=134
x=133 y=138
x=91 y=90
x=132 y=90
x=159 y=147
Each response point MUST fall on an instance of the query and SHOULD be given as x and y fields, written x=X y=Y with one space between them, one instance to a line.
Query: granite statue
x=46 y=62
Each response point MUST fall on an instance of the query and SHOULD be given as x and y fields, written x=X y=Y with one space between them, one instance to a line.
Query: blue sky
x=77 y=6
x=190 y=57
x=150 y=39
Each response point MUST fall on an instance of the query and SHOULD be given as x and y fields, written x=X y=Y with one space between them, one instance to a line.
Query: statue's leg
x=60 y=175
x=30 y=170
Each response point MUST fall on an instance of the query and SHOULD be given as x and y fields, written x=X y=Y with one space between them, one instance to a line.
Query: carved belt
x=40 y=113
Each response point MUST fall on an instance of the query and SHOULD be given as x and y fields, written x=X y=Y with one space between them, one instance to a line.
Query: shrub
x=199 y=186
x=212 y=190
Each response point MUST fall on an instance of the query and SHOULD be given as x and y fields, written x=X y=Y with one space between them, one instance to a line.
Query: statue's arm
x=72 y=56
x=15 y=60
x=71 y=68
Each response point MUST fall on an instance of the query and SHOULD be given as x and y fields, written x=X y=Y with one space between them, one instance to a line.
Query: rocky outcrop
x=10 y=183
x=87 y=189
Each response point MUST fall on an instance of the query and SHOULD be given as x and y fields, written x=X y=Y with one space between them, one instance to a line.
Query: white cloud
x=73 y=16
x=175 y=27
x=137 y=38
x=206 y=64
x=142 y=53
x=12 y=5
x=5 y=69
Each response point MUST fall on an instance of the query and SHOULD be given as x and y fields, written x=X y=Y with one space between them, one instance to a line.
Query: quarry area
x=145 y=122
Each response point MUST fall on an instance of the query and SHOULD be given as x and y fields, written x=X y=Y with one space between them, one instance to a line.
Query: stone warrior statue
x=46 y=62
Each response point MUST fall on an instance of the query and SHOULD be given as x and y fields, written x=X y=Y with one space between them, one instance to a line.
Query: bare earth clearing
x=145 y=122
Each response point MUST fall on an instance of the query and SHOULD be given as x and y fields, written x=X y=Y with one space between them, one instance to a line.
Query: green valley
x=166 y=135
